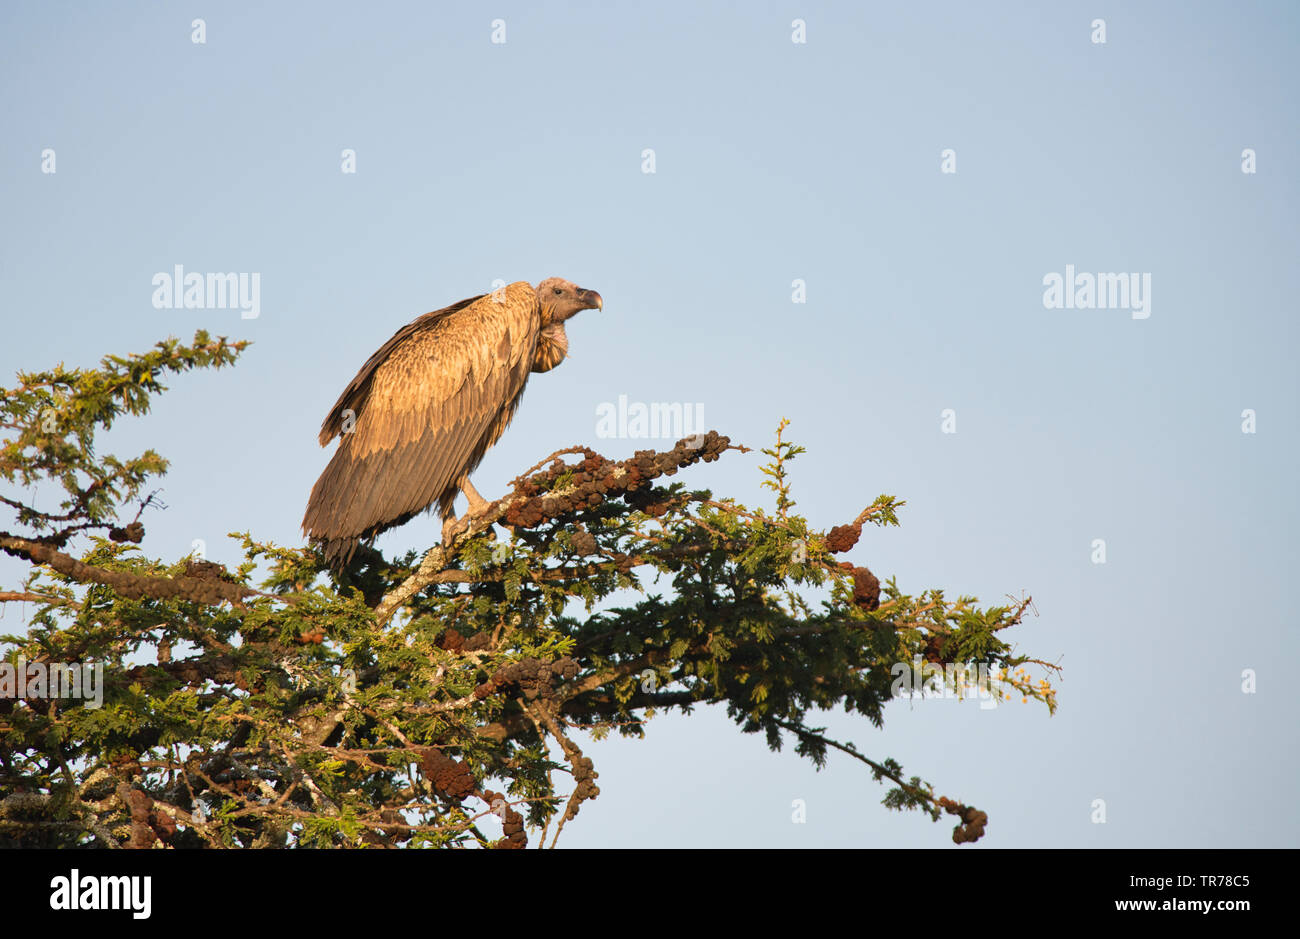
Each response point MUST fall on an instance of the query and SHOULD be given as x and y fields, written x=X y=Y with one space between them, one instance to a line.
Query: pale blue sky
x=775 y=161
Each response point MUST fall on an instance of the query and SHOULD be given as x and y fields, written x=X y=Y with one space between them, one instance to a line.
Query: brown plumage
x=418 y=417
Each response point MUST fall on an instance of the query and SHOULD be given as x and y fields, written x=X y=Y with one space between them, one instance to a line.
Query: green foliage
x=282 y=704
x=778 y=478
x=54 y=415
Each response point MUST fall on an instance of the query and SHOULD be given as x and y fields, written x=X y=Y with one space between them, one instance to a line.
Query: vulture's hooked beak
x=593 y=300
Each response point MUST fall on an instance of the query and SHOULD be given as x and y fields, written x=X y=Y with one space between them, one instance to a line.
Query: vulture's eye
x=558 y=291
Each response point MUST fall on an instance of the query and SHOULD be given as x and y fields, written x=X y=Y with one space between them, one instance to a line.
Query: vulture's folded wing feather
x=359 y=387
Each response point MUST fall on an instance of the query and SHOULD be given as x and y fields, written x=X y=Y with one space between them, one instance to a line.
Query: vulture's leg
x=451 y=524
x=476 y=501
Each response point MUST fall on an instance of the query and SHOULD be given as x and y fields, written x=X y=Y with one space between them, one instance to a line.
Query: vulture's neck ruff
x=552 y=343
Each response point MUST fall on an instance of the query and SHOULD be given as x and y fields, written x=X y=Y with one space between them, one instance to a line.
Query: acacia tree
x=403 y=701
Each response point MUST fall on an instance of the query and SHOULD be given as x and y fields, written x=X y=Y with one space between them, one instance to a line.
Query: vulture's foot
x=477 y=505
x=451 y=526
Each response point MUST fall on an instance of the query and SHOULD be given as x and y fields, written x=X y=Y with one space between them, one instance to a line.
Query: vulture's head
x=562 y=299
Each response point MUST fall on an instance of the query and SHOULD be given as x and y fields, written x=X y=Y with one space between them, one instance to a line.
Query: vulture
x=418 y=417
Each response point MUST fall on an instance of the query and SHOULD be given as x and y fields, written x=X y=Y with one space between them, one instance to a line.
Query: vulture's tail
x=322 y=523
x=332 y=519
x=356 y=498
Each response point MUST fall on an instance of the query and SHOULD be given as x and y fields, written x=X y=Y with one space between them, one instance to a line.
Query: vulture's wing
x=427 y=406
x=357 y=389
